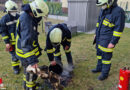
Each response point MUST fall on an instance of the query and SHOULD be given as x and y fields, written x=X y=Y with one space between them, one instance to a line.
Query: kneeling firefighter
x=8 y=29
x=109 y=29
x=27 y=46
x=59 y=35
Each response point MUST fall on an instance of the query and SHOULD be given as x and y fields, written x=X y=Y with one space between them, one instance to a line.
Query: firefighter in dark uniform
x=109 y=29
x=8 y=29
x=59 y=35
x=27 y=46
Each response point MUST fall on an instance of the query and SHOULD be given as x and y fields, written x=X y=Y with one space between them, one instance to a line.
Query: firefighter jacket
x=110 y=26
x=66 y=40
x=8 y=28
x=27 y=45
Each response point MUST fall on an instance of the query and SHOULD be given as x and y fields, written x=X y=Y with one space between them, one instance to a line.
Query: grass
x=84 y=56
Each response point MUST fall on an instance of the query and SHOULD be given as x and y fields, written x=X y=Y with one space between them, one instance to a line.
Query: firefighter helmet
x=56 y=35
x=39 y=8
x=11 y=6
x=102 y=2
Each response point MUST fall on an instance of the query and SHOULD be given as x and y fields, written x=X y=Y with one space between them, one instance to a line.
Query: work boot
x=16 y=69
x=105 y=72
x=98 y=67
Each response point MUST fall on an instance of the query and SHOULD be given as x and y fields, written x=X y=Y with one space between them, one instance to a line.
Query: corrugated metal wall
x=84 y=13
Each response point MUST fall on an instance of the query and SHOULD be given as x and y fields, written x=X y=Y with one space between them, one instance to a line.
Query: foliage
x=55 y=8
x=26 y=1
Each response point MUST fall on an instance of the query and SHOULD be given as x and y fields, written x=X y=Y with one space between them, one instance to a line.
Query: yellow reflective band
x=97 y=25
x=69 y=40
x=57 y=54
x=30 y=84
x=64 y=39
x=12 y=37
x=111 y=25
x=99 y=57
x=33 y=52
x=54 y=49
x=107 y=23
x=15 y=63
x=50 y=51
x=17 y=23
x=106 y=62
x=24 y=77
x=67 y=51
x=34 y=44
x=19 y=52
x=105 y=49
x=5 y=37
x=117 y=34
x=37 y=53
x=12 y=43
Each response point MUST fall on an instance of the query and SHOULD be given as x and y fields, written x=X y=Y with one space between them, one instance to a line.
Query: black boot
x=105 y=72
x=16 y=69
x=98 y=67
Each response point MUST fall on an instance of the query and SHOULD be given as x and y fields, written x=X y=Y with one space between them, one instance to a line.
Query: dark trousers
x=29 y=79
x=104 y=61
x=67 y=52
x=15 y=61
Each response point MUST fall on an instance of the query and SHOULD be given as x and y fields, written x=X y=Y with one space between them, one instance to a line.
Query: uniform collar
x=109 y=10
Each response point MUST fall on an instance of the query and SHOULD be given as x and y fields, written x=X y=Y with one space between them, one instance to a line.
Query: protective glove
x=33 y=69
x=67 y=47
x=53 y=63
x=8 y=47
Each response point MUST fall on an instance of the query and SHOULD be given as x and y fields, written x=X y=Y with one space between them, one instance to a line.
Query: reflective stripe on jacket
x=110 y=26
x=27 y=45
x=66 y=40
x=8 y=28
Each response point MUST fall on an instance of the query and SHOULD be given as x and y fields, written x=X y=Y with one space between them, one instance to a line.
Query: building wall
x=125 y=4
x=64 y=3
x=65 y=6
x=84 y=13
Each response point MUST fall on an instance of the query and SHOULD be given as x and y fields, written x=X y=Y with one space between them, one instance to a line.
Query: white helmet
x=56 y=35
x=11 y=6
x=39 y=8
x=102 y=2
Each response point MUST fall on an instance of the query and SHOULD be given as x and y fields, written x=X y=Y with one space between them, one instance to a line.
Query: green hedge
x=55 y=8
x=26 y=1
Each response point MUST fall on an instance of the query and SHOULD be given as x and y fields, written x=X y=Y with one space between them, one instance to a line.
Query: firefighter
x=108 y=32
x=27 y=46
x=58 y=35
x=8 y=29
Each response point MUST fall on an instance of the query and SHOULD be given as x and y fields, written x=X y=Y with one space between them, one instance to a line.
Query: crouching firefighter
x=59 y=35
x=8 y=29
x=108 y=32
x=27 y=46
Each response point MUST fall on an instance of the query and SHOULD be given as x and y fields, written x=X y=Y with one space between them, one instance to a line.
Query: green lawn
x=84 y=56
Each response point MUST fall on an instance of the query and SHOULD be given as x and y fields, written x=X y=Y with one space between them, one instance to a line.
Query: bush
x=26 y=1
x=55 y=8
